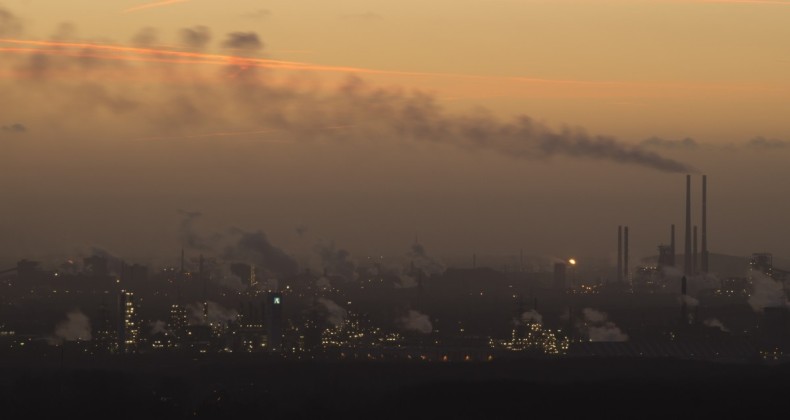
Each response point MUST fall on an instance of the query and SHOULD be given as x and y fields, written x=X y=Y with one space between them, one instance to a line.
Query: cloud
x=146 y=37
x=764 y=143
x=597 y=327
x=243 y=41
x=10 y=25
x=196 y=37
x=415 y=321
x=76 y=327
x=715 y=323
x=189 y=236
x=686 y=143
x=688 y=300
x=14 y=128
x=335 y=313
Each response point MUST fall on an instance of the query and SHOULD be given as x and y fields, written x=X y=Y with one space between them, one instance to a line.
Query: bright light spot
x=572 y=261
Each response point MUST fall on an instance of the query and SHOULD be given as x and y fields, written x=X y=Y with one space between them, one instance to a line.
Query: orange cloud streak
x=153 y=5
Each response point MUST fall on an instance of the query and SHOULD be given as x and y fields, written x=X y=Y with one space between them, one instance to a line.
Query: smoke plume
x=336 y=261
x=243 y=41
x=406 y=281
x=424 y=262
x=415 y=321
x=255 y=248
x=195 y=38
x=10 y=25
x=14 y=128
x=76 y=327
x=335 y=313
x=597 y=327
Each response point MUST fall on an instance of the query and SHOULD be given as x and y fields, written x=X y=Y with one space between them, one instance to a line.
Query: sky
x=479 y=126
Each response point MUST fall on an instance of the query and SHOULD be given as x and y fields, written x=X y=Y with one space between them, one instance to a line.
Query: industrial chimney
x=672 y=244
x=695 y=254
x=625 y=253
x=705 y=261
x=619 y=254
x=687 y=265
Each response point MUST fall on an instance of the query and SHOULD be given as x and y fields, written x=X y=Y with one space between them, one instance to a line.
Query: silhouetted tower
x=705 y=255
x=687 y=263
x=619 y=254
x=559 y=275
x=205 y=290
x=683 y=308
x=672 y=244
x=274 y=321
x=625 y=254
x=695 y=254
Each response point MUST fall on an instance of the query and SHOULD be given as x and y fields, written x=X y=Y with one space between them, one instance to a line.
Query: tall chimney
x=683 y=309
x=704 y=268
x=625 y=253
x=687 y=269
x=695 y=254
x=672 y=244
x=619 y=254
x=205 y=291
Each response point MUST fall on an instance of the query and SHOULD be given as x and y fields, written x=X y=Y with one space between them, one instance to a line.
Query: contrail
x=774 y=2
x=153 y=5
x=137 y=54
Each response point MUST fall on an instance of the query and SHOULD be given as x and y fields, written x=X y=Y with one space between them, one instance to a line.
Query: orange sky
x=91 y=81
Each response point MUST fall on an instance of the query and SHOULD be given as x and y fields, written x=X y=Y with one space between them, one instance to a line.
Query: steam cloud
x=416 y=321
x=146 y=37
x=406 y=281
x=217 y=314
x=715 y=323
x=764 y=143
x=76 y=327
x=766 y=293
x=688 y=300
x=336 y=261
x=531 y=317
x=335 y=313
x=159 y=327
x=598 y=328
x=424 y=262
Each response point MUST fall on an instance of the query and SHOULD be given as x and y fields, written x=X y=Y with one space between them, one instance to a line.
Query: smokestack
x=687 y=269
x=695 y=254
x=683 y=309
x=619 y=254
x=625 y=254
x=205 y=291
x=672 y=244
x=704 y=224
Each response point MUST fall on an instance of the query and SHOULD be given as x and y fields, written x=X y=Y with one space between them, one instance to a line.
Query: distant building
x=178 y=318
x=762 y=263
x=134 y=274
x=274 y=321
x=129 y=323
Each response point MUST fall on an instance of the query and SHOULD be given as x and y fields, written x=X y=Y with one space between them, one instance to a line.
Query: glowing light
x=572 y=261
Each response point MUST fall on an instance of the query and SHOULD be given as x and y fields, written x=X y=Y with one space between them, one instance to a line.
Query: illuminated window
x=276 y=300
